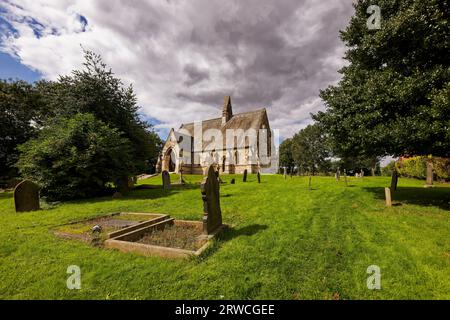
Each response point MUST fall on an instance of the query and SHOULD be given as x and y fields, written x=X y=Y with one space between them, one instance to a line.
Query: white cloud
x=183 y=57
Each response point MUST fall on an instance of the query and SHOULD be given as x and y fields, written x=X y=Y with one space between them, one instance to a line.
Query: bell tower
x=227 y=112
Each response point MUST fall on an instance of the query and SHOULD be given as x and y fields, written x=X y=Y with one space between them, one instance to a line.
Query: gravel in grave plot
x=175 y=236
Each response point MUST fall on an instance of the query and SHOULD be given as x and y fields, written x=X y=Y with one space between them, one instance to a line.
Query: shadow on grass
x=6 y=195
x=138 y=194
x=229 y=234
x=249 y=230
x=431 y=197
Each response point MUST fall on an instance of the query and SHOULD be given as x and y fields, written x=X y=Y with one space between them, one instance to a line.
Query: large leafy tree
x=310 y=149
x=75 y=157
x=20 y=114
x=285 y=150
x=394 y=96
x=95 y=90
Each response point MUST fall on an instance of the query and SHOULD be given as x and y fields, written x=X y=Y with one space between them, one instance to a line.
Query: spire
x=227 y=112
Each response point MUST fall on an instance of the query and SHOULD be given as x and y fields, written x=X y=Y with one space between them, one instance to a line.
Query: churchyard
x=286 y=238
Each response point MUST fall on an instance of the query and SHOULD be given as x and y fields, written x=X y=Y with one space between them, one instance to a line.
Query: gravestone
x=166 y=179
x=26 y=196
x=212 y=215
x=259 y=177
x=338 y=174
x=233 y=181
x=123 y=184
x=309 y=185
x=387 y=194
x=181 y=173
x=394 y=180
x=244 y=178
x=218 y=176
x=284 y=172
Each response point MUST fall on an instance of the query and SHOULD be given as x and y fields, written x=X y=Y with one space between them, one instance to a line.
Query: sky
x=183 y=57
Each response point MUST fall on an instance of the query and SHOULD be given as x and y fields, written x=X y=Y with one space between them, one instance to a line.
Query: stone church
x=233 y=142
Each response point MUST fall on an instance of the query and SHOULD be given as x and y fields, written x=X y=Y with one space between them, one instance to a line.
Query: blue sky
x=12 y=68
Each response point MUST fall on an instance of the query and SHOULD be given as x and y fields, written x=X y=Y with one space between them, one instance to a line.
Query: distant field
x=285 y=242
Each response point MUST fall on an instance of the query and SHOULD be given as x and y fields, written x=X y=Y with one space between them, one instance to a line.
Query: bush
x=75 y=158
x=414 y=167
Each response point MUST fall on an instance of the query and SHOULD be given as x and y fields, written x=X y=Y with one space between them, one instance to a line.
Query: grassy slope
x=286 y=242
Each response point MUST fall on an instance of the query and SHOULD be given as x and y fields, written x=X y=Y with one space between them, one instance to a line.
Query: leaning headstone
x=212 y=215
x=259 y=177
x=26 y=196
x=387 y=194
x=233 y=181
x=166 y=179
x=394 y=180
x=244 y=178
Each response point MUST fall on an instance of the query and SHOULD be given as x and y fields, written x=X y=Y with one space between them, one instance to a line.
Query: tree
x=75 y=157
x=310 y=149
x=20 y=108
x=96 y=90
x=394 y=96
x=355 y=163
x=285 y=150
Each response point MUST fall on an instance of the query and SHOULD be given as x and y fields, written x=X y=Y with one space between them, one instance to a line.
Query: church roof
x=245 y=120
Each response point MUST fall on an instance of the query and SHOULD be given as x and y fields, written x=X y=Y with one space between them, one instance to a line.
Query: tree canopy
x=394 y=96
x=310 y=150
x=96 y=90
x=75 y=157
x=20 y=109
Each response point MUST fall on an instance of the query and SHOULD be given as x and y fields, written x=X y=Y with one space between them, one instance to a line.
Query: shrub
x=387 y=171
x=75 y=157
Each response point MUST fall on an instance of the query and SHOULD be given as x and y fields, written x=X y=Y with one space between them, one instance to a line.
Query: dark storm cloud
x=194 y=75
x=183 y=57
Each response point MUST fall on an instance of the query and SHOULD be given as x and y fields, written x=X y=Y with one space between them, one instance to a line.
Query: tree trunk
x=394 y=179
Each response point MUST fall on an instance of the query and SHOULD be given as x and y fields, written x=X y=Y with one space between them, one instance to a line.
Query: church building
x=233 y=142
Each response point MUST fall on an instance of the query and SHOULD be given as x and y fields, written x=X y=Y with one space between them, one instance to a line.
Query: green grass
x=285 y=242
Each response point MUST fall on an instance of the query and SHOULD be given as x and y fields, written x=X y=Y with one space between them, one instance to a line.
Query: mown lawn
x=285 y=242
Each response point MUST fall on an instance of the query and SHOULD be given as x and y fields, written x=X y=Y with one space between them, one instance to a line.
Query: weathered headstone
x=387 y=194
x=338 y=174
x=284 y=172
x=244 y=177
x=259 y=177
x=165 y=179
x=233 y=181
x=394 y=180
x=26 y=196
x=212 y=215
